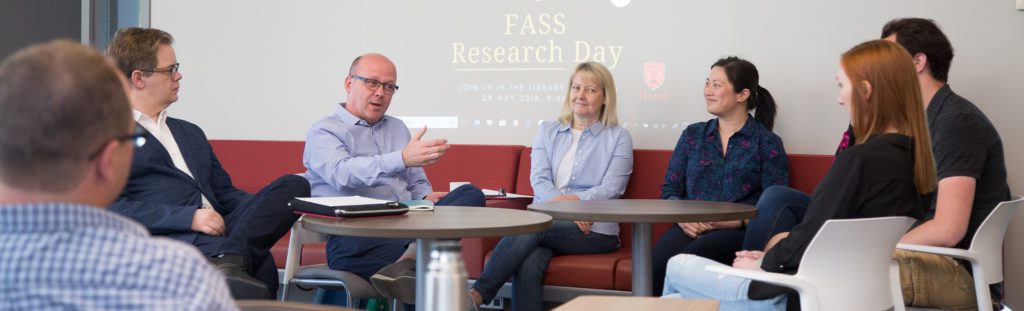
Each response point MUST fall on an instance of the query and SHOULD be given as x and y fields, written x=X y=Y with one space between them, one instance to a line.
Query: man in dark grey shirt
x=970 y=168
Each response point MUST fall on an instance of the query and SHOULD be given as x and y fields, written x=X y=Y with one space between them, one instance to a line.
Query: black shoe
x=397 y=281
x=241 y=284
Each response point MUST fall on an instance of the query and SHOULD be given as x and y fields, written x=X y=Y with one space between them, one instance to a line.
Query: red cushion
x=474 y=249
x=624 y=267
x=589 y=271
x=624 y=275
x=253 y=164
x=807 y=170
x=649 y=168
x=486 y=166
x=312 y=253
x=474 y=252
x=513 y=204
x=280 y=251
x=523 y=185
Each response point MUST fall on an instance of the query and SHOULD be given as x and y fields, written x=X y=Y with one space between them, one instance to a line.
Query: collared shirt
x=699 y=170
x=347 y=156
x=600 y=170
x=60 y=256
x=158 y=128
x=965 y=143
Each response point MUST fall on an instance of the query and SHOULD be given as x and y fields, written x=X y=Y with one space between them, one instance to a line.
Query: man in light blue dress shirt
x=358 y=150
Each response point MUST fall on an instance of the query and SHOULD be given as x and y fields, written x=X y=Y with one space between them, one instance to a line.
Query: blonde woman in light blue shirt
x=585 y=155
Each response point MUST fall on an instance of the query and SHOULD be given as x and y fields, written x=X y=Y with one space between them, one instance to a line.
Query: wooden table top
x=598 y=303
x=445 y=222
x=645 y=211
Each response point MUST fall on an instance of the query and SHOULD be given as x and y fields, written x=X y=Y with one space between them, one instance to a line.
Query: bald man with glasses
x=359 y=150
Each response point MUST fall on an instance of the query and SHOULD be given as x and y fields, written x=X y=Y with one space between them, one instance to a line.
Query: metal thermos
x=446 y=278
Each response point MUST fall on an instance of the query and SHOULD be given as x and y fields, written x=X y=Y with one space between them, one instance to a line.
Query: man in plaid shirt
x=66 y=143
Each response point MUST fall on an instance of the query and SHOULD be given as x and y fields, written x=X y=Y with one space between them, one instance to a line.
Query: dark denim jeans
x=526 y=256
x=778 y=210
x=718 y=245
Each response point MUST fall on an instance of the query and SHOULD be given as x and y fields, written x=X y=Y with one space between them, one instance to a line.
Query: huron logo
x=654 y=74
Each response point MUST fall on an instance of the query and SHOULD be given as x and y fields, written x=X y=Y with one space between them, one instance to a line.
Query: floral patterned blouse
x=698 y=170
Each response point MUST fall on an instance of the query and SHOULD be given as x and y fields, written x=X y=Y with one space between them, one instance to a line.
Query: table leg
x=423 y=247
x=642 y=260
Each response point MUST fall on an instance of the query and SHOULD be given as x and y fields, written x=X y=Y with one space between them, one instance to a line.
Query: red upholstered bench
x=253 y=164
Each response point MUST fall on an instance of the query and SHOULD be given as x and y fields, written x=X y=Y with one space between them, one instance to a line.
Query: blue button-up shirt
x=64 y=256
x=699 y=170
x=604 y=160
x=346 y=156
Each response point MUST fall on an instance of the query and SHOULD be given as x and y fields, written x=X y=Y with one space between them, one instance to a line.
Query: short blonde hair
x=135 y=49
x=603 y=77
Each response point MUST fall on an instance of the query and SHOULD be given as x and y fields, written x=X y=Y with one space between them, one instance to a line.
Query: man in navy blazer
x=178 y=189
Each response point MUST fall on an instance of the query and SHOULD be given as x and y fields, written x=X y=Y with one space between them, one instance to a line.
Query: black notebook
x=347 y=207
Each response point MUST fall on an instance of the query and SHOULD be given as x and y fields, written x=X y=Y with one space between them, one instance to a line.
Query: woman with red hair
x=884 y=174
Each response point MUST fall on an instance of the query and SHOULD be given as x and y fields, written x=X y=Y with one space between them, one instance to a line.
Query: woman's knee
x=678 y=264
x=536 y=264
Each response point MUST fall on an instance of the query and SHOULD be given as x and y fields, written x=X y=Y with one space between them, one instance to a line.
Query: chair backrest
x=988 y=240
x=848 y=262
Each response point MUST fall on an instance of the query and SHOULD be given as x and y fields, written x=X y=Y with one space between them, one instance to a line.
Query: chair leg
x=981 y=288
x=284 y=293
x=894 y=286
x=348 y=299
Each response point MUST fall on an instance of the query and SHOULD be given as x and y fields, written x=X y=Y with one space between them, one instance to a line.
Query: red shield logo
x=654 y=74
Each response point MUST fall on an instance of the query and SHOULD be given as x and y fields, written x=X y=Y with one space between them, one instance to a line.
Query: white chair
x=985 y=253
x=845 y=267
x=320 y=275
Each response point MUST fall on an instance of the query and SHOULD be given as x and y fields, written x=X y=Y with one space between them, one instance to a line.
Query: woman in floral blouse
x=731 y=158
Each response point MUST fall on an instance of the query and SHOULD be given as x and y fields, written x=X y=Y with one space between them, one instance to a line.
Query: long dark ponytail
x=743 y=75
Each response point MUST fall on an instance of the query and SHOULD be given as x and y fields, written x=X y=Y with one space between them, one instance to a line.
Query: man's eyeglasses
x=372 y=84
x=138 y=139
x=172 y=69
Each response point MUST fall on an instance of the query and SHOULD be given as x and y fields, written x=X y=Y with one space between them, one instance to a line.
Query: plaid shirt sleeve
x=59 y=256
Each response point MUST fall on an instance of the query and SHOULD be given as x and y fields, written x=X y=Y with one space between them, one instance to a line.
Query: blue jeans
x=526 y=256
x=688 y=278
x=779 y=209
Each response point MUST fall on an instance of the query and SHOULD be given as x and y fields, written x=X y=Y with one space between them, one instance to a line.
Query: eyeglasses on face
x=372 y=84
x=137 y=137
x=172 y=69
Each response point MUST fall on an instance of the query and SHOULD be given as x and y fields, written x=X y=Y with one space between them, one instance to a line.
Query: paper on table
x=496 y=193
x=343 y=201
x=419 y=205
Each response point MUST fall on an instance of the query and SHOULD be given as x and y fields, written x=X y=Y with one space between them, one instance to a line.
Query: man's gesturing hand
x=419 y=152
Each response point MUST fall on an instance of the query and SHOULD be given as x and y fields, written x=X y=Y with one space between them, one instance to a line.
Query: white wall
x=265 y=70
